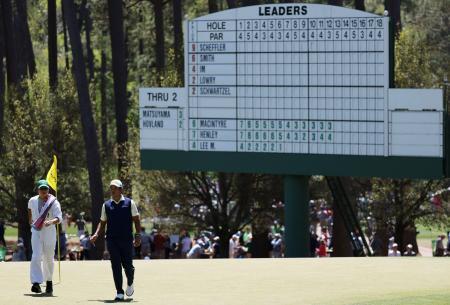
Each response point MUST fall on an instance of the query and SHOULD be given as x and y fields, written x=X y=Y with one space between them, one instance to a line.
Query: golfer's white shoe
x=130 y=290
x=119 y=297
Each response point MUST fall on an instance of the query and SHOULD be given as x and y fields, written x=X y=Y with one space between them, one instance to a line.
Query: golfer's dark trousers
x=121 y=255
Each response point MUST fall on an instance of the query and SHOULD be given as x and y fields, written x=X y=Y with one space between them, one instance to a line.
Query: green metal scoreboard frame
x=293 y=89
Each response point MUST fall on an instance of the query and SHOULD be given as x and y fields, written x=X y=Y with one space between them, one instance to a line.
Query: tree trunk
x=87 y=121
x=381 y=216
x=140 y=45
x=66 y=45
x=2 y=78
x=52 y=45
x=260 y=244
x=410 y=237
x=360 y=5
x=393 y=7
x=231 y=3
x=24 y=185
x=19 y=40
x=178 y=37
x=336 y=2
x=127 y=54
x=159 y=32
x=119 y=69
x=25 y=45
x=14 y=36
x=224 y=243
x=399 y=234
x=103 y=106
x=243 y=197
x=11 y=54
x=342 y=246
x=212 y=6
x=383 y=236
x=250 y=2
x=87 y=30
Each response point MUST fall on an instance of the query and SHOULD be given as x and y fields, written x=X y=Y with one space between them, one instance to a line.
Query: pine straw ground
x=368 y=281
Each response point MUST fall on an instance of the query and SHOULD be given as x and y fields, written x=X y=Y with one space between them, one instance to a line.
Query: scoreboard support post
x=296 y=213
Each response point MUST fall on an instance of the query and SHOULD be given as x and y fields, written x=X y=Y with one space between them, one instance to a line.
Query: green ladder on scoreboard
x=348 y=215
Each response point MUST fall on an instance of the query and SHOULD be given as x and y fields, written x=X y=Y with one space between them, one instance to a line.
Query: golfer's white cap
x=116 y=183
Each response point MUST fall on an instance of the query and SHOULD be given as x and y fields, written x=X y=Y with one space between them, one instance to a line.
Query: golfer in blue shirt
x=118 y=215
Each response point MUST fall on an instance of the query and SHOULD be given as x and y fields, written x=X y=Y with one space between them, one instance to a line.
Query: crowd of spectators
x=157 y=244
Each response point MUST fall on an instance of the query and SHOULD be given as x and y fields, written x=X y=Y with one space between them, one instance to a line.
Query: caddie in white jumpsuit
x=44 y=211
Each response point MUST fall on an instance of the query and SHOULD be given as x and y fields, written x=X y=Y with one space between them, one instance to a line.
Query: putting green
x=368 y=281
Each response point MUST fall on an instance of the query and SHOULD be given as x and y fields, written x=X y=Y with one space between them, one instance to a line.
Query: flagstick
x=52 y=179
x=59 y=248
x=59 y=256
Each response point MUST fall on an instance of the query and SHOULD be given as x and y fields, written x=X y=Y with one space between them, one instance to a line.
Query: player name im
x=283 y=10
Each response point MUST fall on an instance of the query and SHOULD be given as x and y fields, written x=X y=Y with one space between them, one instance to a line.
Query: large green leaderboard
x=292 y=89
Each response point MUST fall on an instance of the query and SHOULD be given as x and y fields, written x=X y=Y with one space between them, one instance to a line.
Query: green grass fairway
x=362 y=281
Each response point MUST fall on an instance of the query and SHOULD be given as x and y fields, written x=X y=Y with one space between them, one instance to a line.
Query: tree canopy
x=69 y=78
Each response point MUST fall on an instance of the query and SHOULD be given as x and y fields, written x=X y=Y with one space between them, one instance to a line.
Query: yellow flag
x=52 y=177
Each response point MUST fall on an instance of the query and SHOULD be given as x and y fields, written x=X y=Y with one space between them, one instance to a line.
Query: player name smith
x=290 y=10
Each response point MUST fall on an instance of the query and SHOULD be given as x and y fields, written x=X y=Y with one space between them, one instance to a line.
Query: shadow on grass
x=113 y=301
x=39 y=295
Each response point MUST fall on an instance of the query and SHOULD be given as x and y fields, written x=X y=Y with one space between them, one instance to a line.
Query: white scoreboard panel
x=292 y=78
x=162 y=118
x=295 y=78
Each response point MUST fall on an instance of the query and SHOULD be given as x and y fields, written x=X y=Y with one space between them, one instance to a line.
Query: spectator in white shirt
x=394 y=251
